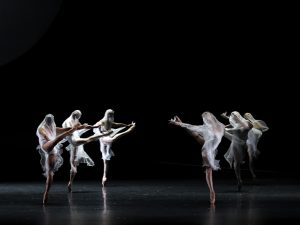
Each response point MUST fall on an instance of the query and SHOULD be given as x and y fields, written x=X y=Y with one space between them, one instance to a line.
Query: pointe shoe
x=45 y=199
x=212 y=198
x=104 y=179
x=69 y=187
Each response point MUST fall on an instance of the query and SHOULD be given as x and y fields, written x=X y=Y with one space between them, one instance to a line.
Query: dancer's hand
x=177 y=119
x=224 y=114
x=173 y=121
x=132 y=126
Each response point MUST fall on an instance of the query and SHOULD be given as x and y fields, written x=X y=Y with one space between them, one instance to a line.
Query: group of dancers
x=51 y=140
x=243 y=132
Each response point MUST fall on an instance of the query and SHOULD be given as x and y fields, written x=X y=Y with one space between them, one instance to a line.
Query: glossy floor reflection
x=265 y=201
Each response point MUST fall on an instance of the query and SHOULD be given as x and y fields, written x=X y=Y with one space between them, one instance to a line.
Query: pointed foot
x=69 y=187
x=45 y=198
x=104 y=179
x=212 y=198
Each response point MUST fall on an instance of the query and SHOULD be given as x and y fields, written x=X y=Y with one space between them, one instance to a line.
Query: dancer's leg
x=51 y=162
x=82 y=141
x=118 y=135
x=48 y=146
x=237 y=170
x=73 y=170
x=105 y=168
x=209 y=180
x=251 y=167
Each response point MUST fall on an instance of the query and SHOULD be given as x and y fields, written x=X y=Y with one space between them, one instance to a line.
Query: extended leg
x=48 y=146
x=82 y=141
x=118 y=135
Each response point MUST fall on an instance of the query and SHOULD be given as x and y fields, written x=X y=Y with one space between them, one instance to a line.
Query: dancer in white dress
x=210 y=135
x=237 y=133
x=106 y=124
x=254 y=136
x=75 y=147
x=50 y=138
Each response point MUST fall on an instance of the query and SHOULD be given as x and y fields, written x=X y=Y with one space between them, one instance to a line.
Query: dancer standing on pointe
x=210 y=135
x=106 y=124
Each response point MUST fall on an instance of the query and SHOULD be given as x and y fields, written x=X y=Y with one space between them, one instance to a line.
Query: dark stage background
x=149 y=64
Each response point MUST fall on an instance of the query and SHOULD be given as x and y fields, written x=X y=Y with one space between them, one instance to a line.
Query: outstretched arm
x=60 y=130
x=116 y=125
x=177 y=121
x=190 y=127
x=224 y=115
x=84 y=126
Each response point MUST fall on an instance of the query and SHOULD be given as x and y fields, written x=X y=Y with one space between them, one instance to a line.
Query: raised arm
x=190 y=127
x=224 y=115
x=177 y=121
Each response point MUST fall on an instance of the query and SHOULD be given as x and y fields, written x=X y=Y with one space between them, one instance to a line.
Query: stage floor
x=185 y=201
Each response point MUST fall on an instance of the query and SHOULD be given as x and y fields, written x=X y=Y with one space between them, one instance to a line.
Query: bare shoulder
x=42 y=131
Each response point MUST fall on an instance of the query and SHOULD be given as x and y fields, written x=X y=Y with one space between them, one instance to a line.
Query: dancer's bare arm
x=116 y=125
x=60 y=130
x=177 y=122
x=224 y=115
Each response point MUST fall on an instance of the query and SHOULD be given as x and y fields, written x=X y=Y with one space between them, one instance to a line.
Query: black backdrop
x=149 y=64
